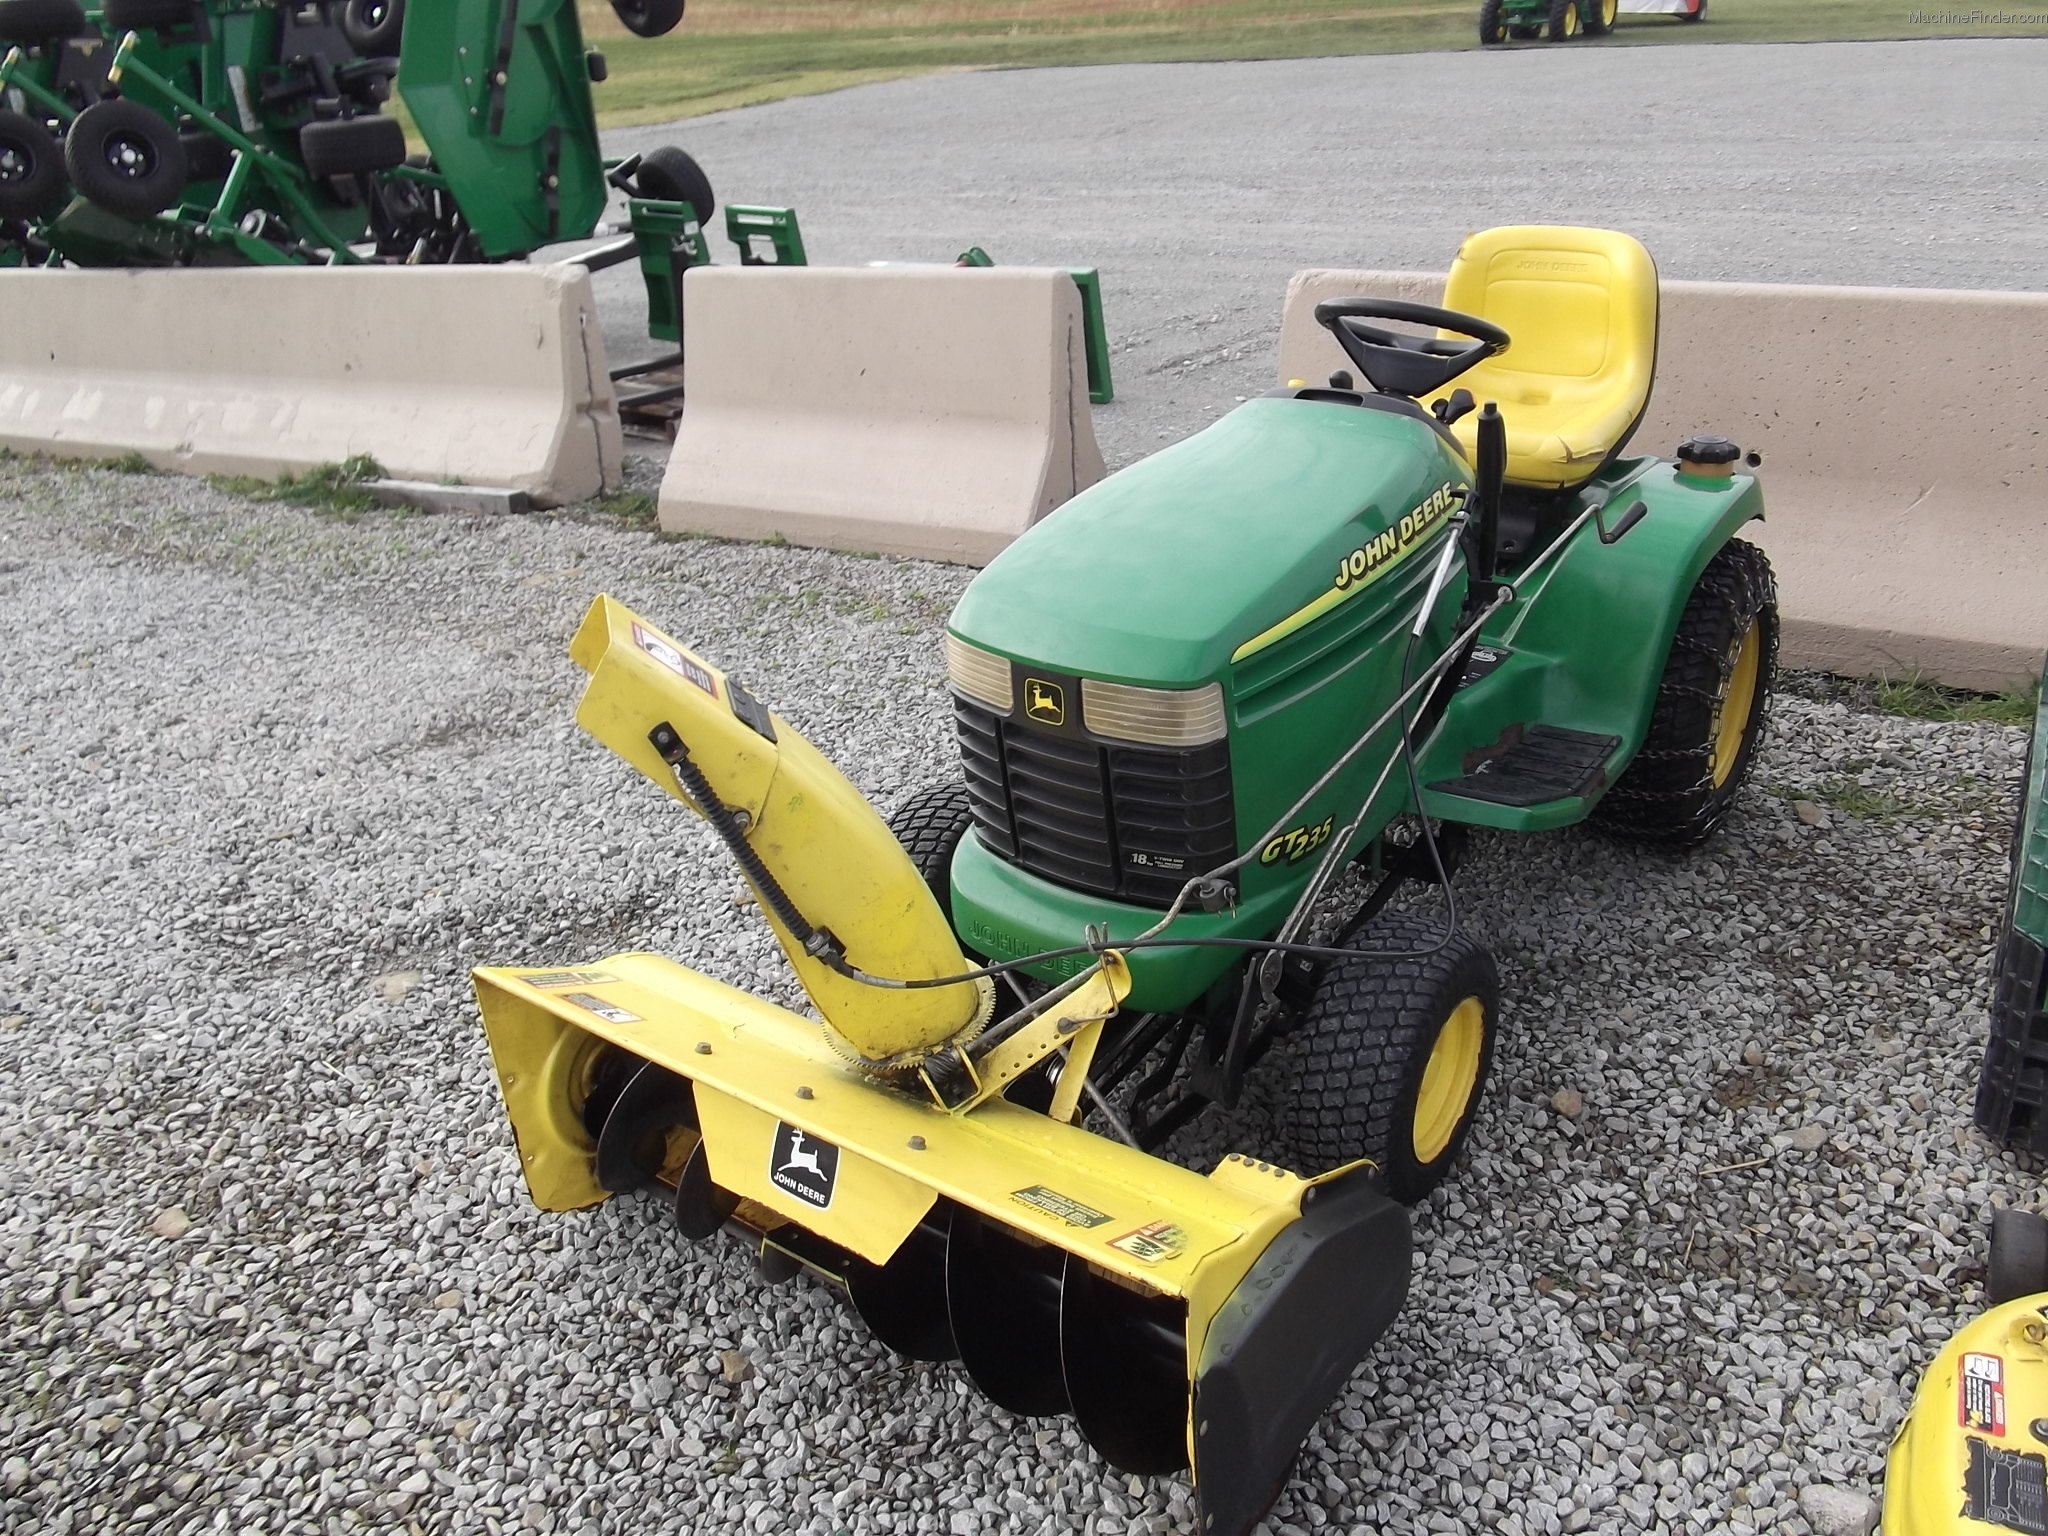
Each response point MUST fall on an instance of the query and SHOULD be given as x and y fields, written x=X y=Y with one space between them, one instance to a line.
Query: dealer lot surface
x=263 y=766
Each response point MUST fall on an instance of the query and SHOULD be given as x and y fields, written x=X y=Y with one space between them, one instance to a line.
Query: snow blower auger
x=1335 y=628
x=1180 y=1319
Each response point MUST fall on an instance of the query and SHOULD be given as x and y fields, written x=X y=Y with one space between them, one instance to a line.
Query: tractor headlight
x=1160 y=717
x=979 y=674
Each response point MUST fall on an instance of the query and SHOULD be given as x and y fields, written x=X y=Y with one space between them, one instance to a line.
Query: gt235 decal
x=1296 y=843
x=1377 y=556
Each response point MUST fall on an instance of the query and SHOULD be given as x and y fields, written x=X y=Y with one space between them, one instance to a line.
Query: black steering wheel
x=1396 y=363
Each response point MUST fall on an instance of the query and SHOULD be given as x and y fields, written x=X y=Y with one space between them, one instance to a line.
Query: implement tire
x=2019 y=1256
x=1392 y=1055
x=671 y=175
x=31 y=168
x=345 y=146
x=32 y=23
x=125 y=158
x=648 y=18
x=1712 y=707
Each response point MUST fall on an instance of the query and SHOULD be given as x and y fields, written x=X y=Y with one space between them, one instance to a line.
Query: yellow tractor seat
x=1580 y=310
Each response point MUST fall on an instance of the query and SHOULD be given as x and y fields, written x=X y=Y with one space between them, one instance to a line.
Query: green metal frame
x=744 y=224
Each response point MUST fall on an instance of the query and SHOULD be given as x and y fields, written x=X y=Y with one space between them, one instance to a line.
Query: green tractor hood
x=1162 y=572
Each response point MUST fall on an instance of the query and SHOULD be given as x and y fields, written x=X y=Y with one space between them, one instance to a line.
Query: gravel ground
x=1198 y=188
x=277 y=779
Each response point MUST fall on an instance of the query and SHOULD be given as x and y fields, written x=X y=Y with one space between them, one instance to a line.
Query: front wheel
x=1600 y=16
x=1708 y=721
x=1392 y=1054
x=1491 y=28
x=1564 y=20
x=930 y=825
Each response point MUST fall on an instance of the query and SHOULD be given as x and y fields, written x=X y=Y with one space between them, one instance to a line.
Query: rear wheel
x=1392 y=1054
x=1708 y=721
x=31 y=168
x=1491 y=28
x=1600 y=16
x=125 y=158
x=1564 y=20
x=2019 y=1256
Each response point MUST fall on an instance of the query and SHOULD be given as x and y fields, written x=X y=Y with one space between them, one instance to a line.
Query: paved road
x=1197 y=188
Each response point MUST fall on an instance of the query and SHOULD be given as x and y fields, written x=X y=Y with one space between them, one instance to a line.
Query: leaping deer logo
x=1045 y=701
x=801 y=1158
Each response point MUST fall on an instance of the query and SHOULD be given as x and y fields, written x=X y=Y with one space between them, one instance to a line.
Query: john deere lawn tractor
x=181 y=132
x=1317 y=640
x=2012 y=1090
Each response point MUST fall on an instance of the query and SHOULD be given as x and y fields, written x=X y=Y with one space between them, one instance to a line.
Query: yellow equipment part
x=1183 y=1319
x=1971 y=1459
x=813 y=830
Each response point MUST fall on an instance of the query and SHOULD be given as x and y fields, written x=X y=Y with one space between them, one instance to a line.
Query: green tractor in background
x=204 y=132
x=2012 y=1089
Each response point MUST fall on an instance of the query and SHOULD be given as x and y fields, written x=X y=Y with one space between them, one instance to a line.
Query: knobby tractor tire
x=1565 y=19
x=1712 y=706
x=1491 y=28
x=1599 y=15
x=2009 y=1089
x=344 y=146
x=1392 y=1055
x=2019 y=1256
x=125 y=158
x=31 y=168
x=32 y=23
x=670 y=175
x=648 y=18
x=930 y=825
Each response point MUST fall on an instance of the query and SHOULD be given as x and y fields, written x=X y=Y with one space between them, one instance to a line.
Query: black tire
x=1599 y=16
x=2019 y=1256
x=146 y=15
x=669 y=175
x=344 y=146
x=374 y=27
x=1364 y=1047
x=1681 y=784
x=31 y=168
x=930 y=825
x=32 y=23
x=649 y=18
x=125 y=159
x=208 y=157
x=1491 y=28
x=1566 y=20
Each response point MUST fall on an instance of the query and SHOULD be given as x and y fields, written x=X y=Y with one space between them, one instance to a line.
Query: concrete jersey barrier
x=491 y=375
x=1905 y=467
x=934 y=412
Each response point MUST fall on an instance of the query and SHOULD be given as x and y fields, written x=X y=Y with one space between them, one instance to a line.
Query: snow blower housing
x=1330 y=630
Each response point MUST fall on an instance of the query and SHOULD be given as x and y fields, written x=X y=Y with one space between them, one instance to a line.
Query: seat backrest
x=1580 y=309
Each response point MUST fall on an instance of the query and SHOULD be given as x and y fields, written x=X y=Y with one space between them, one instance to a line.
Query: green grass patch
x=131 y=464
x=732 y=53
x=1921 y=698
x=631 y=509
x=334 y=490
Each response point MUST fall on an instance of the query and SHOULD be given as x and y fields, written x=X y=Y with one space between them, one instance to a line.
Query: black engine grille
x=1124 y=821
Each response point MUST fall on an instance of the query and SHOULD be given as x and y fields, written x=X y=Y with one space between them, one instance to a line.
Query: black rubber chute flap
x=1287 y=1340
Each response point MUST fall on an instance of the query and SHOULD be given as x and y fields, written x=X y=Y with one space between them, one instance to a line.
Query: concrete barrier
x=1905 y=455
x=934 y=412
x=491 y=374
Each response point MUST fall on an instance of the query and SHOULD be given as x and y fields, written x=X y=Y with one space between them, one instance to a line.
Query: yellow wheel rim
x=1571 y=21
x=1608 y=9
x=1449 y=1079
x=1737 y=700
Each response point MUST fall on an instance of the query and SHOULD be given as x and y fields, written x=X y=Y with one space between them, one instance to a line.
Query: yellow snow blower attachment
x=889 y=1146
